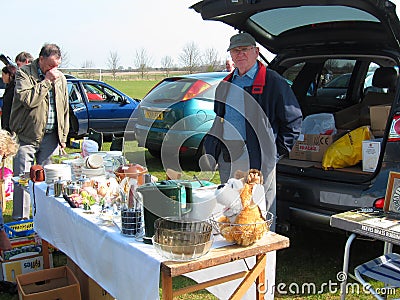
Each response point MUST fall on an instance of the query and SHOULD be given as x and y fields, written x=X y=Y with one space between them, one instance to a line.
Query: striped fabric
x=385 y=268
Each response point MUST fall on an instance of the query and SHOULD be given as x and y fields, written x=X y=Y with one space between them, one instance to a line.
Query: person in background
x=8 y=148
x=229 y=65
x=258 y=121
x=39 y=117
x=23 y=58
x=8 y=78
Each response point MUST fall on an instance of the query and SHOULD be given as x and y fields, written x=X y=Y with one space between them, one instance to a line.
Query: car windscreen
x=173 y=89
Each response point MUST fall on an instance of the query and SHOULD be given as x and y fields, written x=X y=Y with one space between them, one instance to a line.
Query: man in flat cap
x=258 y=121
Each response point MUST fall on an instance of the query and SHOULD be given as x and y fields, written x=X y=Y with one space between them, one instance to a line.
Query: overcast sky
x=88 y=30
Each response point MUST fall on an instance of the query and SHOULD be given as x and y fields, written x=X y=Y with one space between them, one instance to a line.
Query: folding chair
x=385 y=268
x=117 y=143
x=96 y=136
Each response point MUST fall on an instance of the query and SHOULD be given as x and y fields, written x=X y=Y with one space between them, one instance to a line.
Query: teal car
x=176 y=114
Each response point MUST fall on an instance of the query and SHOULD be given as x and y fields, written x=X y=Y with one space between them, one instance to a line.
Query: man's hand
x=62 y=148
x=53 y=74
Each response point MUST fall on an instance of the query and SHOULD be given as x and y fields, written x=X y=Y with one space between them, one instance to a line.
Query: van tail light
x=394 y=132
x=379 y=203
x=196 y=89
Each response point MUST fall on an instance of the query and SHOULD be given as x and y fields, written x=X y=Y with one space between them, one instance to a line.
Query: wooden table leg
x=261 y=289
x=254 y=273
x=45 y=253
x=166 y=285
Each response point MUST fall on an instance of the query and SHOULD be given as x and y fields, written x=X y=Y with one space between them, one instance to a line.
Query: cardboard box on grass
x=12 y=268
x=90 y=290
x=371 y=150
x=311 y=147
x=49 y=284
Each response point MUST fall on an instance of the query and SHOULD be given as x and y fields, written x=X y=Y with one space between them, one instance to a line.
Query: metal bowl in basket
x=182 y=239
x=243 y=234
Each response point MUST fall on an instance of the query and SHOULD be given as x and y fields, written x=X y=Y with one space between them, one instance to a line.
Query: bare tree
x=142 y=61
x=166 y=64
x=190 y=57
x=88 y=65
x=210 y=59
x=112 y=63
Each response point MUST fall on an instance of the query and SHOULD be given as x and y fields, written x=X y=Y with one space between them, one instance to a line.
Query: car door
x=108 y=109
x=78 y=116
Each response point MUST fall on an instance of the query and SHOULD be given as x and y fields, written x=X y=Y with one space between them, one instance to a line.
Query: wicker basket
x=242 y=234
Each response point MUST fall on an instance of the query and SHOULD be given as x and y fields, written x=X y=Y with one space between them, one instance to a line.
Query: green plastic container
x=163 y=199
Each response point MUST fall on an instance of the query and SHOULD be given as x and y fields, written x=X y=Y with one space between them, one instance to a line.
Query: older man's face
x=48 y=63
x=244 y=57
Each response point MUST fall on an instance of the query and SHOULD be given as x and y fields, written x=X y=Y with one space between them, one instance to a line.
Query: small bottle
x=59 y=187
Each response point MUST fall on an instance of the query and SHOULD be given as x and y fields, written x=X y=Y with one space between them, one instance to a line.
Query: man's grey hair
x=50 y=50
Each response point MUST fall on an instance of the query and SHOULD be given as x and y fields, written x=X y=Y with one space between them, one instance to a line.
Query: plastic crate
x=19 y=228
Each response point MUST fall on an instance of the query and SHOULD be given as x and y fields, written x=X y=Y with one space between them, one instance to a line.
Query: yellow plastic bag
x=346 y=151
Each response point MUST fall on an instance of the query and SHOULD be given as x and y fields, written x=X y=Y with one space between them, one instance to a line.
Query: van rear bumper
x=303 y=217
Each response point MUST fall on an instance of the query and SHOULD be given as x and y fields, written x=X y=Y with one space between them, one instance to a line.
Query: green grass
x=135 y=89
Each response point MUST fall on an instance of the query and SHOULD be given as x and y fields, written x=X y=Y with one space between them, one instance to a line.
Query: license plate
x=153 y=115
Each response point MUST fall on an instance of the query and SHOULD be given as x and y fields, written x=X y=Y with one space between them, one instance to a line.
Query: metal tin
x=83 y=181
x=59 y=187
x=72 y=188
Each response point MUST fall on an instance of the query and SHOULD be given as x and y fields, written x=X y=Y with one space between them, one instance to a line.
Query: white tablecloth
x=124 y=267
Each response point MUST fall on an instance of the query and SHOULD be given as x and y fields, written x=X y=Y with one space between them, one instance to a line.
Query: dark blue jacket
x=278 y=105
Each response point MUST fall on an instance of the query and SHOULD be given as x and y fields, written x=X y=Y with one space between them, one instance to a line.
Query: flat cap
x=241 y=40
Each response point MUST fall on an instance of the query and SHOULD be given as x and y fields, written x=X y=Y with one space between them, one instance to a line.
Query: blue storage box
x=19 y=228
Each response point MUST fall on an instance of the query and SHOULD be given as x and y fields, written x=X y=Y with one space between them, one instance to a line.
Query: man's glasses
x=236 y=51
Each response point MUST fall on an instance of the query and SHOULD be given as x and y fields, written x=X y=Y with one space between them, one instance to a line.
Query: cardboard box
x=379 y=115
x=11 y=269
x=22 y=247
x=21 y=252
x=57 y=283
x=90 y=290
x=311 y=147
x=370 y=154
x=96 y=292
